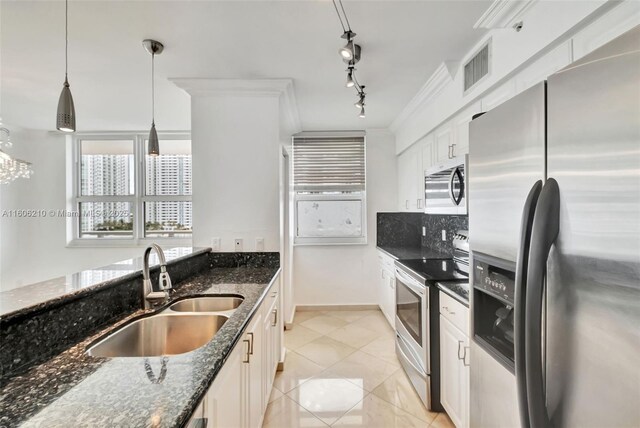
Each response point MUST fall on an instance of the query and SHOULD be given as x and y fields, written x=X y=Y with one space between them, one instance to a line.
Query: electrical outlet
x=238 y=244
x=259 y=244
x=215 y=244
x=444 y=235
x=424 y=231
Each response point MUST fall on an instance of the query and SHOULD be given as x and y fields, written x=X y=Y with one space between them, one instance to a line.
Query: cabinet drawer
x=387 y=262
x=455 y=312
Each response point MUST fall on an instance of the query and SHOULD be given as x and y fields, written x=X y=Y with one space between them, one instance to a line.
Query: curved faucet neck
x=147 y=253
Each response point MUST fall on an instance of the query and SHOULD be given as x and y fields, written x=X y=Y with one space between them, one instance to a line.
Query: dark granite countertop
x=74 y=389
x=406 y=253
x=457 y=290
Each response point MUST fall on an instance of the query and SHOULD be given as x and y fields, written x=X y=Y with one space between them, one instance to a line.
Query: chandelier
x=10 y=167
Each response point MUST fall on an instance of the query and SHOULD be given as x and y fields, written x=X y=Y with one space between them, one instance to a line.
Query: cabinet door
x=461 y=124
x=382 y=291
x=443 y=139
x=452 y=375
x=226 y=398
x=255 y=372
x=428 y=155
x=391 y=293
x=499 y=95
x=407 y=180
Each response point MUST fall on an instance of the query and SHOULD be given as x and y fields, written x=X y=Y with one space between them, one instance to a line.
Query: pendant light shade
x=154 y=48
x=154 y=144
x=66 y=115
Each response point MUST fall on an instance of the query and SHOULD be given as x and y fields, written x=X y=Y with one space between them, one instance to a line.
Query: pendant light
x=154 y=48
x=66 y=117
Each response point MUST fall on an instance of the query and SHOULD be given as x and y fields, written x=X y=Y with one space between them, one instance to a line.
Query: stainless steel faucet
x=148 y=295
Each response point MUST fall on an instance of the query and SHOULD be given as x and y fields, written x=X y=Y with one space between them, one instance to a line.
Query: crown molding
x=438 y=80
x=503 y=13
x=280 y=88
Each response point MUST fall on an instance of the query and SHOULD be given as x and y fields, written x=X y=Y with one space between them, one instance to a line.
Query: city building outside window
x=122 y=196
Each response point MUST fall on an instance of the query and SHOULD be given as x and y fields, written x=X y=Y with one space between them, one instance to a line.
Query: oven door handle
x=410 y=282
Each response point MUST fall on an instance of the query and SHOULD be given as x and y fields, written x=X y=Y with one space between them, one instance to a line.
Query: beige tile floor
x=341 y=370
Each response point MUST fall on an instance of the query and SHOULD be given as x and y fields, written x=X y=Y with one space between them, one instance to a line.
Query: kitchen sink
x=207 y=304
x=160 y=335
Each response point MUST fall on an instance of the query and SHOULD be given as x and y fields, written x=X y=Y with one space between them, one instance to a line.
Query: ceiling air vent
x=476 y=68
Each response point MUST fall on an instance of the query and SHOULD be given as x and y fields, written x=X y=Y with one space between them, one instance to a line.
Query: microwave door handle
x=546 y=226
x=520 y=289
x=456 y=173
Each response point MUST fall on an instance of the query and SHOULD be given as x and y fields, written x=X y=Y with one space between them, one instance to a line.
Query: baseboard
x=281 y=362
x=304 y=308
x=288 y=325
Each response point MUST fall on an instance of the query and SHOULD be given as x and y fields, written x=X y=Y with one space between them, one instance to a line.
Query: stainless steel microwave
x=445 y=188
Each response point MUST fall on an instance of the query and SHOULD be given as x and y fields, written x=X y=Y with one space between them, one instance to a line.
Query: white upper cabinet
x=499 y=95
x=544 y=67
x=461 y=128
x=443 y=140
x=428 y=153
x=411 y=179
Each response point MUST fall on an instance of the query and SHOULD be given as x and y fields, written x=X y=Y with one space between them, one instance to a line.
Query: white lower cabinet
x=240 y=393
x=454 y=361
x=387 y=288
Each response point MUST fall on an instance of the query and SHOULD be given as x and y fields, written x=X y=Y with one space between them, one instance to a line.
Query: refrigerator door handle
x=546 y=226
x=526 y=225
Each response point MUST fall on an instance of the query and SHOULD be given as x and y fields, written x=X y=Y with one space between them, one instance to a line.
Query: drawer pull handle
x=247 y=352
x=464 y=358
x=250 y=346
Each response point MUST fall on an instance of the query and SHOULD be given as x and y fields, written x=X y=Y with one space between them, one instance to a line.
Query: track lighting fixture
x=350 y=54
x=154 y=48
x=66 y=115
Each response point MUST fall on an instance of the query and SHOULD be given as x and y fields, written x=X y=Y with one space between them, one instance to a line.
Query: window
x=123 y=196
x=329 y=182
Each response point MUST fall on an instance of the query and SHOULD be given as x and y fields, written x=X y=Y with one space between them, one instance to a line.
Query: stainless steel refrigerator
x=554 y=231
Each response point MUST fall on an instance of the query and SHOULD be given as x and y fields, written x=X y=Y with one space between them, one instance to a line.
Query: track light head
x=350 y=82
x=350 y=52
x=361 y=115
x=359 y=103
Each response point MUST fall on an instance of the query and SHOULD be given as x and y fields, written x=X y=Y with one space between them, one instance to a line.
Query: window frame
x=346 y=195
x=137 y=200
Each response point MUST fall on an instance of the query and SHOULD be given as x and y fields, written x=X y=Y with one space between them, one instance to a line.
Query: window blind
x=322 y=164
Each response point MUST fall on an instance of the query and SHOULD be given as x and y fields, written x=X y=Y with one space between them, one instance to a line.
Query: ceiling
x=403 y=42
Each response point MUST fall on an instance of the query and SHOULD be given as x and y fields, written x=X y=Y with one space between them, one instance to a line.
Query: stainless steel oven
x=412 y=332
x=445 y=188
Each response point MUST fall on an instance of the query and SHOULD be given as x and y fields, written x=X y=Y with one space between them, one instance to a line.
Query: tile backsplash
x=399 y=230
x=405 y=230
x=435 y=224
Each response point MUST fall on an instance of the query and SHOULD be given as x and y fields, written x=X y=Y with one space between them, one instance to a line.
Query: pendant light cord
x=153 y=94
x=66 y=38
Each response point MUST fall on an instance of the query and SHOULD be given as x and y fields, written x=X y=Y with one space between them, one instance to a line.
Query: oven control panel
x=495 y=280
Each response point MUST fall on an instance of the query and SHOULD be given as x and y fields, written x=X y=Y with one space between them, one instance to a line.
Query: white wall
x=549 y=28
x=34 y=249
x=235 y=149
x=347 y=274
